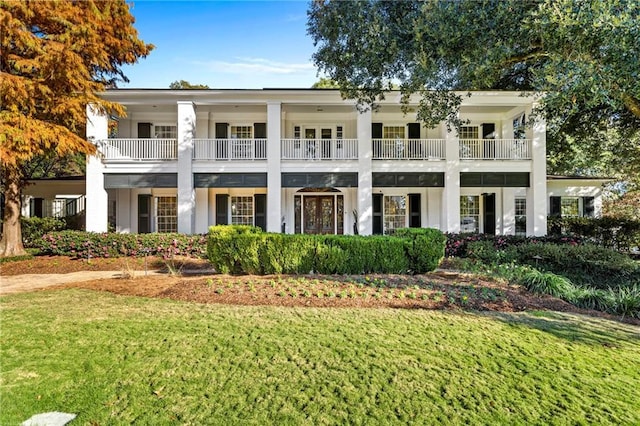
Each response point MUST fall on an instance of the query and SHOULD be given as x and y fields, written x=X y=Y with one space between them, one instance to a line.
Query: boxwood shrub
x=253 y=252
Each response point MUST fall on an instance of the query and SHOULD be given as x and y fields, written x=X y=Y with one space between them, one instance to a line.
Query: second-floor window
x=166 y=132
x=241 y=132
x=393 y=132
x=469 y=132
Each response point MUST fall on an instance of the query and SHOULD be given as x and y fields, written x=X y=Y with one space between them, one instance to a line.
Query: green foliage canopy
x=584 y=57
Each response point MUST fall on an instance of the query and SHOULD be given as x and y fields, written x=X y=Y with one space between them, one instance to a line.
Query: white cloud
x=247 y=65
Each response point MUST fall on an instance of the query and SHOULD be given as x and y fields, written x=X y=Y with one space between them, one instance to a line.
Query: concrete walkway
x=10 y=284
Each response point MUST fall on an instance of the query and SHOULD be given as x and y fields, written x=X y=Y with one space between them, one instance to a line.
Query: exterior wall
x=576 y=188
x=197 y=113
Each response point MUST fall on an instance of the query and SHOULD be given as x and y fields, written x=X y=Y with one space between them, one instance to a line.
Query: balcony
x=139 y=149
x=229 y=149
x=408 y=149
x=495 y=149
x=319 y=149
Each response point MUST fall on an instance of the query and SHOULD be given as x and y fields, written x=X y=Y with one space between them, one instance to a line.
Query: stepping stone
x=53 y=418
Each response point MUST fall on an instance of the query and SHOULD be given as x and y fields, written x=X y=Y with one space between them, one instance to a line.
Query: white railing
x=495 y=149
x=408 y=149
x=139 y=149
x=229 y=149
x=319 y=149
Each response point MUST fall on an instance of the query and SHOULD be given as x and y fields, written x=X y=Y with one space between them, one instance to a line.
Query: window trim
x=232 y=216
x=158 y=215
x=385 y=216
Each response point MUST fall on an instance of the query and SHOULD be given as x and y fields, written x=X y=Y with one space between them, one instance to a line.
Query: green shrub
x=222 y=247
x=287 y=254
x=585 y=264
x=614 y=233
x=425 y=248
x=33 y=228
x=626 y=301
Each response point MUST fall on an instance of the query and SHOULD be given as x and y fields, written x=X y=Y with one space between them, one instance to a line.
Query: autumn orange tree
x=55 y=57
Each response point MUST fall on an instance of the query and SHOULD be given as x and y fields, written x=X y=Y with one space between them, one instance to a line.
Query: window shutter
x=489 y=211
x=222 y=130
x=376 y=130
x=488 y=131
x=144 y=130
x=415 y=219
x=588 y=206
x=414 y=130
x=222 y=209
x=144 y=213
x=555 y=207
x=377 y=214
x=260 y=130
x=260 y=211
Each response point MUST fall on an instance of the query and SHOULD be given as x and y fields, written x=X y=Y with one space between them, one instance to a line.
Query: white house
x=307 y=161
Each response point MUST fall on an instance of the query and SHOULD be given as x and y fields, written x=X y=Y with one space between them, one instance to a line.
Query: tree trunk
x=11 y=243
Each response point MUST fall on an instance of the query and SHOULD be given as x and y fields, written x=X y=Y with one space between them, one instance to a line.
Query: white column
x=450 y=221
x=365 y=174
x=202 y=210
x=537 y=194
x=96 y=196
x=509 y=211
x=274 y=178
x=186 y=192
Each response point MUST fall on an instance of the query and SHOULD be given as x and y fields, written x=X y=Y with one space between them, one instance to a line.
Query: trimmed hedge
x=82 y=244
x=33 y=228
x=457 y=244
x=238 y=250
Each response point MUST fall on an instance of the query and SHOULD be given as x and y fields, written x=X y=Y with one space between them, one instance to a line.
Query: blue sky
x=223 y=44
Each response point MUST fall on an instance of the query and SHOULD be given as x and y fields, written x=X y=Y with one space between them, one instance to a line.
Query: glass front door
x=319 y=213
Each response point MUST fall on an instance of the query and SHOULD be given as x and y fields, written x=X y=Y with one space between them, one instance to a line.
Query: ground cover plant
x=119 y=360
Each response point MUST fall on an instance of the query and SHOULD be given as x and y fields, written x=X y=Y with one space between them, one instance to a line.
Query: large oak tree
x=584 y=55
x=55 y=57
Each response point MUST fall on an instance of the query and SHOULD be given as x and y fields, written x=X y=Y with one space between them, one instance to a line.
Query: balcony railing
x=495 y=149
x=408 y=149
x=139 y=149
x=319 y=149
x=229 y=149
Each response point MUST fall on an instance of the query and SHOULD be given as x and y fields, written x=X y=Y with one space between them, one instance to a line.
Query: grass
x=122 y=360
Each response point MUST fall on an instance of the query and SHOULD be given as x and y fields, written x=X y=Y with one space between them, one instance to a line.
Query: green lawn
x=122 y=360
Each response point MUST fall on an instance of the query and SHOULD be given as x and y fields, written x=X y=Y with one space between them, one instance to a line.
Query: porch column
x=274 y=179
x=537 y=194
x=96 y=210
x=450 y=221
x=365 y=174
x=186 y=192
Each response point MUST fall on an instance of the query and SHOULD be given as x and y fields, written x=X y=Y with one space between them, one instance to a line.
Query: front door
x=319 y=214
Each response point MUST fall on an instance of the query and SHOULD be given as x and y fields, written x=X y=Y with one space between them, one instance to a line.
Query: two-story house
x=307 y=161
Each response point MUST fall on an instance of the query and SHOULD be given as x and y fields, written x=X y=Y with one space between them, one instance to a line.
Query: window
x=241 y=132
x=242 y=210
x=393 y=132
x=470 y=213
x=570 y=207
x=166 y=132
x=167 y=214
x=469 y=132
x=395 y=212
x=521 y=216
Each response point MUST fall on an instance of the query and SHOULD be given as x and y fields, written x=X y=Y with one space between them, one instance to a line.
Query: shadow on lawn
x=575 y=327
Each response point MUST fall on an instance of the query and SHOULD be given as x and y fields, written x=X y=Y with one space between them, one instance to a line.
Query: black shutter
x=260 y=211
x=260 y=130
x=414 y=130
x=489 y=211
x=222 y=130
x=144 y=213
x=377 y=214
x=588 y=206
x=222 y=209
x=415 y=219
x=37 y=207
x=555 y=209
x=376 y=130
x=144 y=130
